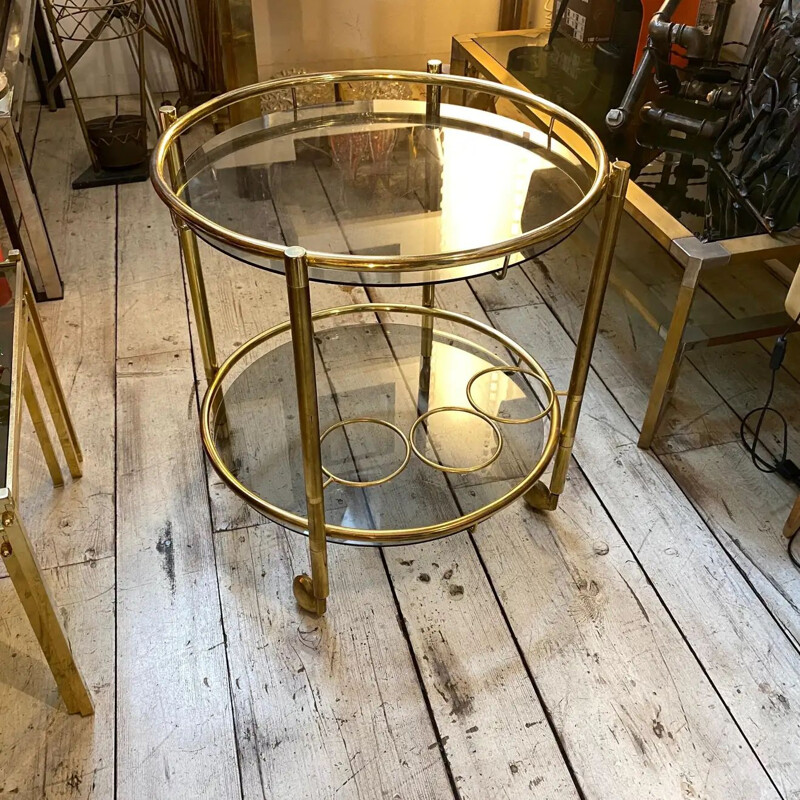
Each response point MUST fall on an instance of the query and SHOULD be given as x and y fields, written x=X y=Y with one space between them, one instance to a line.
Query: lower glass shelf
x=430 y=422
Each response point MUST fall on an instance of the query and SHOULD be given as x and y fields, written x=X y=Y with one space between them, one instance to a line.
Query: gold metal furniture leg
x=667 y=373
x=35 y=410
x=793 y=523
x=426 y=349
x=26 y=575
x=191 y=257
x=540 y=496
x=310 y=593
x=51 y=387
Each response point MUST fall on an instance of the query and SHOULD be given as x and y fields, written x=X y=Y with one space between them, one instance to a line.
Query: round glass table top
x=374 y=178
x=419 y=425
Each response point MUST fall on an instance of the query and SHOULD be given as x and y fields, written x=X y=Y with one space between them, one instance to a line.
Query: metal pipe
x=767 y=7
x=426 y=349
x=191 y=254
x=310 y=593
x=433 y=94
x=614 y=207
x=671 y=120
x=661 y=32
x=718 y=28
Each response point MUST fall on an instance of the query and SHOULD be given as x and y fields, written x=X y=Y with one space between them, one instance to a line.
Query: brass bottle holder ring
x=364 y=484
x=551 y=396
x=444 y=467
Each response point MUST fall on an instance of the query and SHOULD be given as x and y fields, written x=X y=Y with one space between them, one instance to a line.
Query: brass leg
x=670 y=357
x=311 y=593
x=426 y=349
x=35 y=410
x=191 y=258
x=433 y=94
x=540 y=496
x=51 y=386
x=458 y=66
x=26 y=575
x=793 y=523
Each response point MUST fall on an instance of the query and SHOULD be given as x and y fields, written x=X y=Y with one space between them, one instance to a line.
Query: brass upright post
x=433 y=94
x=191 y=256
x=310 y=593
x=540 y=496
x=426 y=348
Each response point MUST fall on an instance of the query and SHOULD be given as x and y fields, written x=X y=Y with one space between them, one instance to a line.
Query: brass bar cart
x=385 y=423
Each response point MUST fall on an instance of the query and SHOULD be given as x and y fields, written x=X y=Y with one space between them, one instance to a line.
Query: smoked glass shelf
x=393 y=422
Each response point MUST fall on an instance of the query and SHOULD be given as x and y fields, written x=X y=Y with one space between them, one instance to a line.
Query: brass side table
x=488 y=55
x=384 y=423
x=20 y=332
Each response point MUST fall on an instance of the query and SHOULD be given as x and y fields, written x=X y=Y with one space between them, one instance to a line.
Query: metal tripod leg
x=310 y=592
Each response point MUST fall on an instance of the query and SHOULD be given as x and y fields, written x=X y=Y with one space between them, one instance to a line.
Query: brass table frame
x=15 y=546
x=167 y=174
x=693 y=256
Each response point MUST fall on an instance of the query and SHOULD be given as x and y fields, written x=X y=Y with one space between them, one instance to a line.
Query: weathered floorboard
x=325 y=707
x=175 y=728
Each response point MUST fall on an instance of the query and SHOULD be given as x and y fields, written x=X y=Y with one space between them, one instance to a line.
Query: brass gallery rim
x=343 y=423
x=376 y=263
x=213 y=400
x=447 y=467
x=551 y=395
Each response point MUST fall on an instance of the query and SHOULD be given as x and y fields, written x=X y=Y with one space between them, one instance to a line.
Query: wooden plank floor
x=640 y=642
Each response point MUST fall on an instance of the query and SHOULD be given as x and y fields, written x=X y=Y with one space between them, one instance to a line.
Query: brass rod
x=311 y=595
x=39 y=426
x=612 y=215
x=433 y=94
x=191 y=255
x=51 y=387
x=426 y=349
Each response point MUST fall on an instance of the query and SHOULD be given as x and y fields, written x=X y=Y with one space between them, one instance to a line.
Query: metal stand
x=85 y=22
x=15 y=547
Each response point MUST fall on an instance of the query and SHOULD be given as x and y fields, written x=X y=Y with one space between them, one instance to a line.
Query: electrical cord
x=784 y=466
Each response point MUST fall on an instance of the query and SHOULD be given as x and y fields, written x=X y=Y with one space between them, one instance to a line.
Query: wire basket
x=89 y=20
